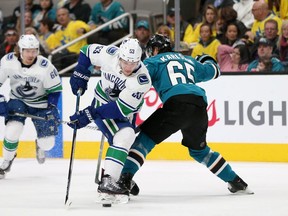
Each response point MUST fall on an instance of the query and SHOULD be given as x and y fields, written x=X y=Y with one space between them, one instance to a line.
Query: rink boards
x=247 y=121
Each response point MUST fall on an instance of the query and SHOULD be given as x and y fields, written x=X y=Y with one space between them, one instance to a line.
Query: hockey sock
x=9 y=149
x=214 y=162
x=137 y=154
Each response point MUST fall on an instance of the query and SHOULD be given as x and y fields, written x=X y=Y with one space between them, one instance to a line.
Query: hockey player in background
x=174 y=77
x=35 y=89
x=118 y=97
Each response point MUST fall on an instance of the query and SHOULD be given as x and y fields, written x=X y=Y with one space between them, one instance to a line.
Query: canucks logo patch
x=143 y=79
x=111 y=50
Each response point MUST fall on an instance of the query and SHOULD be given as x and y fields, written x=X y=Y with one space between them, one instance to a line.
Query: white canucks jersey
x=127 y=91
x=30 y=84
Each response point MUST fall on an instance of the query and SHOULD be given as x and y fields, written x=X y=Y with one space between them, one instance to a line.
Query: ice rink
x=166 y=188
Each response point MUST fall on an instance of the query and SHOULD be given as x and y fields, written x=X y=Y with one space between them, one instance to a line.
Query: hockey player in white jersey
x=35 y=89
x=118 y=97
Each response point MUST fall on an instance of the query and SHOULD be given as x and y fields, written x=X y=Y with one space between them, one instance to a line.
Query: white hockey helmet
x=28 y=42
x=130 y=50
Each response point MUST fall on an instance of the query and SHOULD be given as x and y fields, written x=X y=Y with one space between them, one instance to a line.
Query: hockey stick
x=72 y=149
x=45 y=119
x=97 y=179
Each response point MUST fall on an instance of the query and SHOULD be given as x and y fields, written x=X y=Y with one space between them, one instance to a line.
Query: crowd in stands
x=242 y=35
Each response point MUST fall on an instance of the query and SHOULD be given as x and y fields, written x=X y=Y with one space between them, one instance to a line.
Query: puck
x=107 y=205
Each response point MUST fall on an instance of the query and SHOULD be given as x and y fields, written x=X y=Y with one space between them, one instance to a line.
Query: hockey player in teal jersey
x=174 y=77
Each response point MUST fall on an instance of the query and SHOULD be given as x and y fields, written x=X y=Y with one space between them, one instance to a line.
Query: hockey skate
x=127 y=182
x=5 y=167
x=40 y=154
x=238 y=186
x=110 y=192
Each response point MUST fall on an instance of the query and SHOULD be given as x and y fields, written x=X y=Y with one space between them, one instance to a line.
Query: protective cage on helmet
x=130 y=50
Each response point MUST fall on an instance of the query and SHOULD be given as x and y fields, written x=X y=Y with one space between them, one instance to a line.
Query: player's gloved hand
x=203 y=58
x=53 y=114
x=78 y=81
x=83 y=117
x=3 y=106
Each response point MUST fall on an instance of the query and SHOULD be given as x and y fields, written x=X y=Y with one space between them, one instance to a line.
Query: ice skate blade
x=105 y=198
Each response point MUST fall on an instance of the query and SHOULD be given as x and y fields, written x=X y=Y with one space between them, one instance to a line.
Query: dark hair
x=49 y=23
x=244 y=54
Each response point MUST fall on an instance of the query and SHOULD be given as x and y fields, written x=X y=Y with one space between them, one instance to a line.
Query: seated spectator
x=244 y=12
x=231 y=34
x=186 y=29
x=10 y=41
x=207 y=43
x=261 y=14
x=164 y=30
x=29 y=6
x=233 y=59
x=69 y=31
x=142 y=33
x=264 y=65
x=102 y=12
x=47 y=35
x=264 y=50
x=28 y=21
x=210 y=17
x=47 y=11
x=283 y=44
x=79 y=10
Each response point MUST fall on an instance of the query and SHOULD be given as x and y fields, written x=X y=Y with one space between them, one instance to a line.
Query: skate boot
x=40 y=154
x=5 y=167
x=238 y=186
x=110 y=191
x=127 y=182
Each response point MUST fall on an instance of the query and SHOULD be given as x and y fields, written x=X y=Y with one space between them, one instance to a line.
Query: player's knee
x=124 y=137
x=13 y=130
x=46 y=143
x=199 y=155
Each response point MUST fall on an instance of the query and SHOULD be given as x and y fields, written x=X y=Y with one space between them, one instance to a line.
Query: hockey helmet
x=28 y=42
x=130 y=50
x=161 y=42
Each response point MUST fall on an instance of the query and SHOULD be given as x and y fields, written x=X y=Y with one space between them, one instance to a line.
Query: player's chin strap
x=26 y=115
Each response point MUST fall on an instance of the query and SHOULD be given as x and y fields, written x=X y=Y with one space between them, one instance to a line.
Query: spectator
x=264 y=65
x=284 y=10
x=164 y=30
x=102 y=12
x=231 y=34
x=210 y=17
x=207 y=43
x=69 y=31
x=47 y=11
x=11 y=38
x=79 y=10
x=261 y=14
x=142 y=33
x=244 y=12
x=29 y=6
x=265 y=49
x=233 y=59
x=283 y=44
x=47 y=35
x=186 y=29
x=28 y=21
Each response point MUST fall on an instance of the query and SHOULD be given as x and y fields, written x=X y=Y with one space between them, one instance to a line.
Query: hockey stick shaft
x=97 y=175
x=45 y=119
x=72 y=148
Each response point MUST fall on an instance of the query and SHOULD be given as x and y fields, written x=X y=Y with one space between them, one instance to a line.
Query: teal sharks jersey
x=174 y=74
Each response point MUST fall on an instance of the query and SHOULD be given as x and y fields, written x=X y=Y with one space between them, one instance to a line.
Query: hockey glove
x=3 y=106
x=203 y=58
x=78 y=81
x=53 y=114
x=83 y=118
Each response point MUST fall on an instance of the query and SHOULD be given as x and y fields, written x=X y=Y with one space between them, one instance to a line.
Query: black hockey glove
x=203 y=58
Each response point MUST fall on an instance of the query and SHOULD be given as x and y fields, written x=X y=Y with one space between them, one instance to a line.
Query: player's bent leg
x=13 y=131
x=219 y=166
x=43 y=144
x=114 y=161
x=137 y=154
